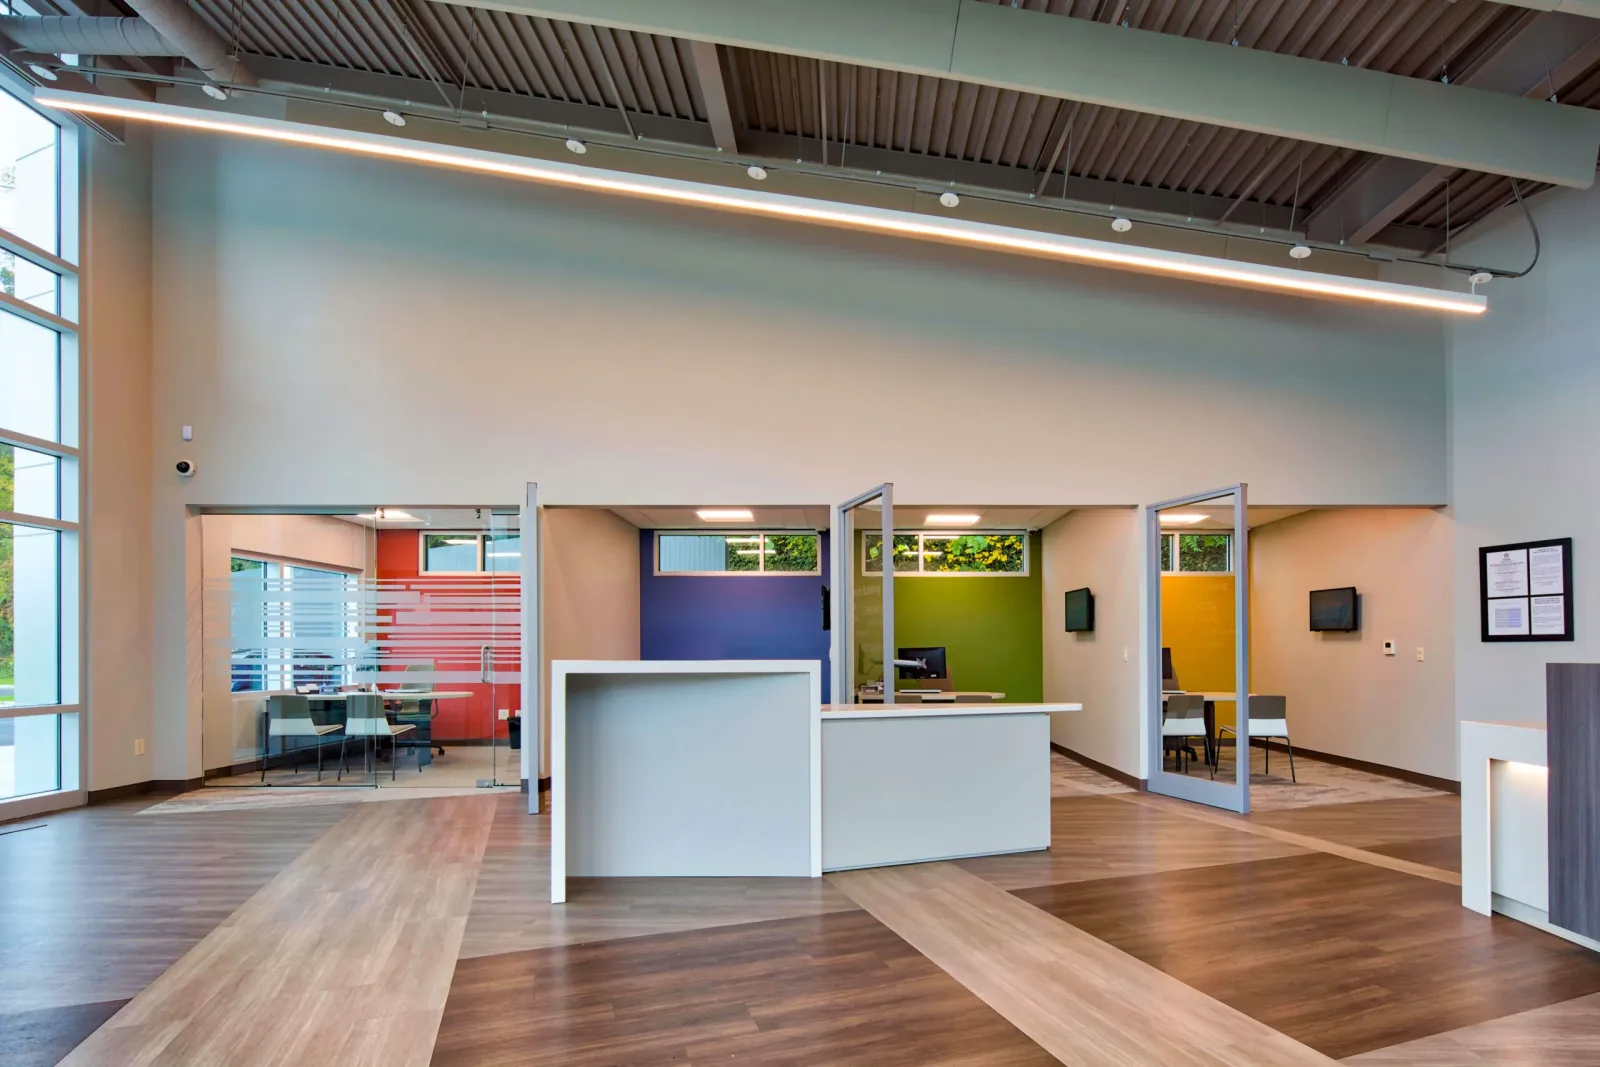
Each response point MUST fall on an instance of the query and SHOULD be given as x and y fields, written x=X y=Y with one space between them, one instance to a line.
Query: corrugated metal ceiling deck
x=836 y=106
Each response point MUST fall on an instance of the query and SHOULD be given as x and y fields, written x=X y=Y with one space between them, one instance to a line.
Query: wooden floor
x=418 y=931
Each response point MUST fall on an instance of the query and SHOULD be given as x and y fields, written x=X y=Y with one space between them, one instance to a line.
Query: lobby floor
x=416 y=932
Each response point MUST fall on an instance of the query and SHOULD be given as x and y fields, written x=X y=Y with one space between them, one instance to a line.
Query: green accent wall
x=992 y=628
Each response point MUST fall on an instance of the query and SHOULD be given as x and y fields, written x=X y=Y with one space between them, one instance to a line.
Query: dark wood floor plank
x=1371 y=822
x=1343 y=956
x=825 y=989
x=1441 y=852
x=40 y=1038
x=100 y=900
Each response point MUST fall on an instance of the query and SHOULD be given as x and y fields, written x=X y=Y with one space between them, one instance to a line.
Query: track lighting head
x=949 y=199
x=1299 y=251
x=576 y=147
x=394 y=118
x=757 y=172
x=1121 y=224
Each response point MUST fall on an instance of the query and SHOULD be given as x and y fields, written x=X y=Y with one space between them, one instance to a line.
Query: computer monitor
x=1169 y=678
x=933 y=657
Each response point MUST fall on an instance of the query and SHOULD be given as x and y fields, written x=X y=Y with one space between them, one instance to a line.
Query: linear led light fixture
x=778 y=205
x=951 y=520
x=725 y=515
x=1183 y=518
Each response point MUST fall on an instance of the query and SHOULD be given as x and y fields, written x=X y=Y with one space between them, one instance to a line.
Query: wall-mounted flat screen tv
x=1080 y=611
x=1334 y=610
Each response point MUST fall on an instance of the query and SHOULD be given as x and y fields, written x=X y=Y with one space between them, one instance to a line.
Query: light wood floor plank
x=1083 y=1001
x=1561 y=1035
x=344 y=958
x=1252 y=825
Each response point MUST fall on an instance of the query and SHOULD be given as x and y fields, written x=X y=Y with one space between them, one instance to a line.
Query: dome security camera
x=185 y=469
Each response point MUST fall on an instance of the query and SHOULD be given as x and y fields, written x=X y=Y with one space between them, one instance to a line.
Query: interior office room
x=367 y=370
x=305 y=616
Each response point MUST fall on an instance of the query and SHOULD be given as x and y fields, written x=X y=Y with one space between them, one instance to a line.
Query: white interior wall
x=590 y=577
x=624 y=353
x=1099 y=548
x=1345 y=696
x=228 y=724
x=1524 y=386
x=115 y=302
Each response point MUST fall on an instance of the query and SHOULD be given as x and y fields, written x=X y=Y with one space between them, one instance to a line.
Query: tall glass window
x=39 y=458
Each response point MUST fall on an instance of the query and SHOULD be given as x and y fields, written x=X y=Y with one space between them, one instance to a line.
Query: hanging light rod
x=777 y=205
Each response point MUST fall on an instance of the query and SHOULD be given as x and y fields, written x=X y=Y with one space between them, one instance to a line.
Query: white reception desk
x=1505 y=823
x=734 y=768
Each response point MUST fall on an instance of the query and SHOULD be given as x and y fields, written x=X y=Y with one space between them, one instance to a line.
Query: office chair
x=1269 y=718
x=290 y=716
x=364 y=718
x=1183 y=718
x=422 y=717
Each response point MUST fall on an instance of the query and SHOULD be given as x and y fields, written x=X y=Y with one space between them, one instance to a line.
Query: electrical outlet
x=138 y=746
x=1388 y=648
x=505 y=713
x=1124 y=655
x=1419 y=653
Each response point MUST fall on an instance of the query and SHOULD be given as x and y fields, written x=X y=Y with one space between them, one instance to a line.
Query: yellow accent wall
x=1197 y=623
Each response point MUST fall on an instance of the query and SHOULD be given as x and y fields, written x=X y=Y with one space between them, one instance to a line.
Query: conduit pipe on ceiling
x=57 y=34
x=195 y=39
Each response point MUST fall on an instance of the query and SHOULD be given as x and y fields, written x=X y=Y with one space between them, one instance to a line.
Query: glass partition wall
x=372 y=647
x=1197 y=648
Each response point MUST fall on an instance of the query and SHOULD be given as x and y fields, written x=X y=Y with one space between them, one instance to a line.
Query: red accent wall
x=462 y=719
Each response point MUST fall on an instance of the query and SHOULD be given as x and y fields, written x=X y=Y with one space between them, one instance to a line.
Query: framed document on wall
x=1525 y=591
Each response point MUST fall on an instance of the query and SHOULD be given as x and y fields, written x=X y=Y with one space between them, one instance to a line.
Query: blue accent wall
x=730 y=616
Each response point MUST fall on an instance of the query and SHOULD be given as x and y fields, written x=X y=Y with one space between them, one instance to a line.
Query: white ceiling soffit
x=1136 y=70
x=872 y=219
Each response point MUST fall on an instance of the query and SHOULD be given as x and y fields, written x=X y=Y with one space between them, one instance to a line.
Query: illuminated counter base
x=1504 y=823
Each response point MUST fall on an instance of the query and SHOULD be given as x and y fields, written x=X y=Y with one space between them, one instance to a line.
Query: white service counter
x=919 y=782
x=1505 y=824
x=734 y=768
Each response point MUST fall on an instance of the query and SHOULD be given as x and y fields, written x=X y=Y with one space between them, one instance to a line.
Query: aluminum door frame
x=1234 y=796
x=842 y=596
x=532 y=681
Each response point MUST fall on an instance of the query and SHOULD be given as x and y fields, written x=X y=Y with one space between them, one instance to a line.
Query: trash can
x=514 y=725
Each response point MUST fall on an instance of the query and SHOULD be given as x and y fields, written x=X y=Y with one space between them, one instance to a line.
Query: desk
x=672 y=769
x=947 y=696
x=912 y=783
x=1504 y=823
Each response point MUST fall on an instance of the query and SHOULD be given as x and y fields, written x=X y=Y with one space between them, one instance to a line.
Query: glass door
x=500 y=657
x=1197 y=648
x=863 y=598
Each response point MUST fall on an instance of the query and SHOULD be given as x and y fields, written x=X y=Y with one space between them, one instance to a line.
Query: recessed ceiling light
x=394 y=118
x=43 y=71
x=576 y=147
x=958 y=519
x=725 y=515
x=759 y=173
x=215 y=92
x=949 y=199
x=1299 y=251
x=1182 y=518
x=388 y=515
x=1121 y=225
